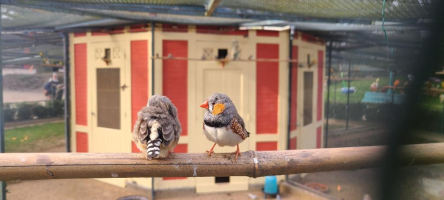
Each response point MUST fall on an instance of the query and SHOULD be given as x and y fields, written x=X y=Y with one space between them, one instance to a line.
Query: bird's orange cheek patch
x=218 y=108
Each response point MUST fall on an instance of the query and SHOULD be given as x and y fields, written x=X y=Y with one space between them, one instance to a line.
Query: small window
x=223 y=179
x=308 y=98
x=308 y=60
x=222 y=53
x=107 y=54
x=108 y=98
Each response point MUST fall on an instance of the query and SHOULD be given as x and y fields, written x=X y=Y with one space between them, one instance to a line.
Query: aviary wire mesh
x=35 y=15
x=45 y=14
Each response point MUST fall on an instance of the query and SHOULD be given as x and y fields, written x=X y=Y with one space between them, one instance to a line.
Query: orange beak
x=204 y=105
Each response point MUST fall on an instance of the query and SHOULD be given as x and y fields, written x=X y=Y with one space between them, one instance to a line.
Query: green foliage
x=41 y=111
x=24 y=111
x=9 y=112
x=57 y=108
x=371 y=112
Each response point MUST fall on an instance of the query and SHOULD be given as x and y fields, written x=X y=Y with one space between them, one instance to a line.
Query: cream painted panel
x=307 y=137
x=108 y=140
x=231 y=79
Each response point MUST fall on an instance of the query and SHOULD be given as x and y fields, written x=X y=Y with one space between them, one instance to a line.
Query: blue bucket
x=271 y=186
x=350 y=90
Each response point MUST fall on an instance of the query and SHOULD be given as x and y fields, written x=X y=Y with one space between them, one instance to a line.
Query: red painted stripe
x=79 y=34
x=134 y=148
x=99 y=32
x=80 y=79
x=175 y=78
x=311 y=39
x=318 y=137
x=266 y=146
x=81 y=142
x=294 y=90
x=267 y=89
x=138 y=28
x=267 y=33
x=139 y=76
x=180 y=148
x=174 y=28
x=294 y=143
x=117 y=30
x=224 y=30
x=320 y=99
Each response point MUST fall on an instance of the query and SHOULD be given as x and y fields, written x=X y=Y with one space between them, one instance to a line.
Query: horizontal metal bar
x=27 y=166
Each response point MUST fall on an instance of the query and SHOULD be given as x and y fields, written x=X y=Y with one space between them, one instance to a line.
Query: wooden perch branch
x=24 y=166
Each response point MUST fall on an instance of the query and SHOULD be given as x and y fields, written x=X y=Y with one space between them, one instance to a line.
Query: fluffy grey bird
x=157 y=129
x=222 y=124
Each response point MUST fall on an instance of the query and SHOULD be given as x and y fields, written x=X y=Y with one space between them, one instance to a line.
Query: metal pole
x=290 y=67
x=330 y=46
x=153 y=191
x=392 y=79
x=334 y=98
x=442 y=119
x=2 y=116
x=348 y=96
x=67 y=89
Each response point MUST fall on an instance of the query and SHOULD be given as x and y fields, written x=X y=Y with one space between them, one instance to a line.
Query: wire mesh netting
x=42 y=14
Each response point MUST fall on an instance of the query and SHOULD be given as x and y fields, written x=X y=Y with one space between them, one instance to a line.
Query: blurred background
x=303 y=75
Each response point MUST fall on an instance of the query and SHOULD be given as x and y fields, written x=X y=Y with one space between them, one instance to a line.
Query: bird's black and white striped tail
x=153 y=148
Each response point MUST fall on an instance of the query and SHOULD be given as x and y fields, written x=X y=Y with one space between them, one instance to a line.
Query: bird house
x=115 y=74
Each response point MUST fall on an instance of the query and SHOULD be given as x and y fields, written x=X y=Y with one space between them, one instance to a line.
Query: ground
x=25 y=86
x=69 y=189
x=11 y=96
x=36 y=138
x=355 y=184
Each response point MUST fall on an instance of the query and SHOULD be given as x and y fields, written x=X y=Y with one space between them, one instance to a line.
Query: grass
x=361 y=86
x=36 y=138
x=431 y=103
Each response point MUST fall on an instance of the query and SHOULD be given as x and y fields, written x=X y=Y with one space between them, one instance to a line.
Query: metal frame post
x=67 y=84
x=2 y=117
x=290 y=67
x=330 y=48
x=348 y=97
x=153 y=191
x=334 y=98
x=392 y=83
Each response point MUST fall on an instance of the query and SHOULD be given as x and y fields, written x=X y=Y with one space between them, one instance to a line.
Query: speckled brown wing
x=237 y=128
x=141 y=132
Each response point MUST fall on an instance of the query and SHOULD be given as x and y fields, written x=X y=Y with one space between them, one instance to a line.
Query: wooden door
x=306 y=98
x=110 y=96
x=230 y=79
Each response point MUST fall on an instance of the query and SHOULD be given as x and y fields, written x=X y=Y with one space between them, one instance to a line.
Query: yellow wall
x=197 y=143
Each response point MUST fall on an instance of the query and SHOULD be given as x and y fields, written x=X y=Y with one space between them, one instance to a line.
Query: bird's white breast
x=222 y=136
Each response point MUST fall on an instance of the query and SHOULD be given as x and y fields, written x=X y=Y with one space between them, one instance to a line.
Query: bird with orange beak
x=222 y=124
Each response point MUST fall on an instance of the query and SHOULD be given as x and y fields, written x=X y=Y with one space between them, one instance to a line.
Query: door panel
x=229 y=82
x=229 y=79
x=110 y=121
x=108 y=98
x=306 y=100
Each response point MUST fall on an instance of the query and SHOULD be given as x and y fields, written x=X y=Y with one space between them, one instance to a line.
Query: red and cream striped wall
x=260 y=88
